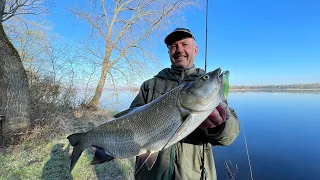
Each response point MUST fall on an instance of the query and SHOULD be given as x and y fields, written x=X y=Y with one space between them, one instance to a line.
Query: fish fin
x=74 y=140
x=141 y=160
x=100 y=156
x=147 y=158
x=152 y=160
x=179 y=133
x=177 y=130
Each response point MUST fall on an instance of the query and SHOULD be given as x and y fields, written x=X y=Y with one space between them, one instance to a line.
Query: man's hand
x=220 y=114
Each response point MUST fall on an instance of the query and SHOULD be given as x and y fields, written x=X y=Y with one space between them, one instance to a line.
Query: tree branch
x=34 y=7
x=114 y=85
x=104 y=12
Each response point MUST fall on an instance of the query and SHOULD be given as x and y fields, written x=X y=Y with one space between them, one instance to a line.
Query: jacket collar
x=174 y=73
x=180 y=71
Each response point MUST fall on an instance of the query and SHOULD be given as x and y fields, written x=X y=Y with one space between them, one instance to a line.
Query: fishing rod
x=203 y=171
x=205 y=58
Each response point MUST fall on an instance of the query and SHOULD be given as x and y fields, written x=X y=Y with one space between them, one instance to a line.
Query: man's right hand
x=218 y=116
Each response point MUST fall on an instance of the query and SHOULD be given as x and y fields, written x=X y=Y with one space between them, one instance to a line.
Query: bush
x=47 y=96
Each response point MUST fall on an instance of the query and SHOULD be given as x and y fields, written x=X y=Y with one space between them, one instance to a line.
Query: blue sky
x=259 y=42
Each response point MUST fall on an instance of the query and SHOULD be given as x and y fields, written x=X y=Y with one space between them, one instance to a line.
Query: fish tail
x=74 y=140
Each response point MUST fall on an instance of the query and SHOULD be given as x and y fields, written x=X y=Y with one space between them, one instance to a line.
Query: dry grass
x=44 y=151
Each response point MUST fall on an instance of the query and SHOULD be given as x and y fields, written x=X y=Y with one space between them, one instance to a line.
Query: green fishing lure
x=225 y=82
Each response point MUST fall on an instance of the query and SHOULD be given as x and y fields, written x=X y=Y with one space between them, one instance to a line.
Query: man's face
x=183 y=52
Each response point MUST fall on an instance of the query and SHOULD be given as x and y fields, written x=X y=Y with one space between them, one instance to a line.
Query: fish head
x=203 y=94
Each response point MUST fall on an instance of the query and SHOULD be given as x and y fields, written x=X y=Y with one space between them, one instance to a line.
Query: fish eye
x=206 y=77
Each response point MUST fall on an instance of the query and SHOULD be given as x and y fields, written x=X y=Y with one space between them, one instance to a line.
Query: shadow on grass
x=117 y=169
x=57 y=167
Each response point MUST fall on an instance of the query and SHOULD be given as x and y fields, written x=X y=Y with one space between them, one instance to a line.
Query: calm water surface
x=282 y=131
x=283 y=136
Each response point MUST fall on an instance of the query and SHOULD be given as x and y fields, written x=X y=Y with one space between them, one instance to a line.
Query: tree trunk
x=94 y=103
x=14 y=90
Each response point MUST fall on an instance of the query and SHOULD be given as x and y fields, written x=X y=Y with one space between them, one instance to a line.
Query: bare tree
x=14 y=94
x=123 y=29
x=11 y=8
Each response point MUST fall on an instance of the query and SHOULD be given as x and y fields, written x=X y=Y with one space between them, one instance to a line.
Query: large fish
x=148 y=129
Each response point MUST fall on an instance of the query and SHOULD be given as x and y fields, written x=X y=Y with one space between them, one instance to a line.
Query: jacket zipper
x=182 y=76
x=172 y=151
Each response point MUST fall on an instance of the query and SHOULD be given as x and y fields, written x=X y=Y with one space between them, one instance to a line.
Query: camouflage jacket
x=182 y=161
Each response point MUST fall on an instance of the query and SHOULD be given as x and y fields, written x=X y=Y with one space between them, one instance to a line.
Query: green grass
x=47 y=156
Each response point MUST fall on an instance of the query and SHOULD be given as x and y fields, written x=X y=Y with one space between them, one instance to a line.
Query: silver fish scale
x=138 y=131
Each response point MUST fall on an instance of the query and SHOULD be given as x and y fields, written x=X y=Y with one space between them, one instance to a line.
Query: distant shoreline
x=273 y=89
x=235 y=88
x=240 y=89
x=244 y=90
x=276 y=90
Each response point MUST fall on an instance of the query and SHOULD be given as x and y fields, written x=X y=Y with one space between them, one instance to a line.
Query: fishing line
x=247 y=150
x=205 y=57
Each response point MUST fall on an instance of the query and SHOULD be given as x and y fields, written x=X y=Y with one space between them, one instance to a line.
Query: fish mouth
x=217 y=74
